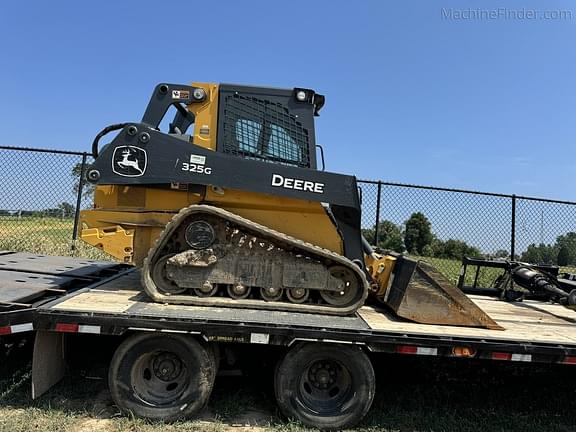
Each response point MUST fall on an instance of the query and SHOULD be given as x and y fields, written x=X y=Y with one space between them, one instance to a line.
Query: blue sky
x=485 y=104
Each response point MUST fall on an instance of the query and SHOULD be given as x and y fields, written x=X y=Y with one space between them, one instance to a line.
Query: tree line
x=416 y=238
x=562 y=252
x=63 y=210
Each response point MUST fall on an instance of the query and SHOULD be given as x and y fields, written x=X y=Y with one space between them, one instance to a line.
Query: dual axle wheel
x=168 y=377
x=162 y=377
x=327 y=386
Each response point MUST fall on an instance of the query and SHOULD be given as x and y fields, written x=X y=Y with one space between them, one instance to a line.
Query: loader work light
x=301 y=95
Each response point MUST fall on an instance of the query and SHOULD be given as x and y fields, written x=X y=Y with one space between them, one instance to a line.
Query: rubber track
x=284 y=241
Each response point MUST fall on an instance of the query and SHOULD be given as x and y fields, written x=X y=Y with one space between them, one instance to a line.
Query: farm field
x=53 y=236
x=43 y=235
x=451 y=269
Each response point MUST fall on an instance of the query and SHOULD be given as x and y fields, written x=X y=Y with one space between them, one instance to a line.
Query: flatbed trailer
x=108 y=300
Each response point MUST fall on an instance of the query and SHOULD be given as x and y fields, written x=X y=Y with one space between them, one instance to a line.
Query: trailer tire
x=327 y=386
x=162 y=376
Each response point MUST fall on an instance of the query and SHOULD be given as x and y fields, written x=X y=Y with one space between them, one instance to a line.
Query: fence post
x=513 y=230
x=377 y=213
x=78 y=203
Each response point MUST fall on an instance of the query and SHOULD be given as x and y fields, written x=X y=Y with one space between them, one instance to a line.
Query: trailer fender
x=48 y=361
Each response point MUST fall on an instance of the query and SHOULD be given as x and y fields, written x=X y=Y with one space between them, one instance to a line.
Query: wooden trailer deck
x=530 y=322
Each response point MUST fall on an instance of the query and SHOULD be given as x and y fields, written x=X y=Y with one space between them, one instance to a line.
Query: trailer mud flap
x=422 y=294
x=48 y=363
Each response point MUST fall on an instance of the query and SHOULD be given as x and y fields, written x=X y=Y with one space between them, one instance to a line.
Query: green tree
x=563 y=255
x=567 y=245
x=66 y=209
x=501 y=253
x=434 y=249
x=457 y=249
x=87 y=187
x=368 y=234
x=540 y=254
x=451 y=249
x=389 y=236
x=418 y=233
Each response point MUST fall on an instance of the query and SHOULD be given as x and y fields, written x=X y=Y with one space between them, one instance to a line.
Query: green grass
x=412 y=395
x=451 y=269
x=48 y=236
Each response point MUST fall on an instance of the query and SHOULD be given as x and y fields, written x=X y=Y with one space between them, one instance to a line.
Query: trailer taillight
x=501 y=356
x=77 y=328
x=512 y=357
x=16 y=328
x=66 y=327
x=412 y=349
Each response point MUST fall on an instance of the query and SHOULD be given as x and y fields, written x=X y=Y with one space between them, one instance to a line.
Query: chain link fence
x=442 y=225
x=41 y=194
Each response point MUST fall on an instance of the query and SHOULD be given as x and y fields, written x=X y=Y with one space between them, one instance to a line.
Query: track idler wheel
x=160 y=277
x=348 y=290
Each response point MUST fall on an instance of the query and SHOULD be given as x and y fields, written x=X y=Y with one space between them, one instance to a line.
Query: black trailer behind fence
x=41 y=195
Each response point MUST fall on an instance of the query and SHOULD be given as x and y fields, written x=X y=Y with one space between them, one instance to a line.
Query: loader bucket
x=420 y=293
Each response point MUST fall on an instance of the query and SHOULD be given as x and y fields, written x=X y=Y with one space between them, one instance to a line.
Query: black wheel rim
x=297 y=295
x=159 y=378
x=271 y=294
x=325 y=387
x=349 y=290
x=160 y=277
x=238 y=294
x=206 y=292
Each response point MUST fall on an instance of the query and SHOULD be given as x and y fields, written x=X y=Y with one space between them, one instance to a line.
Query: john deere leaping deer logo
x=129 y=161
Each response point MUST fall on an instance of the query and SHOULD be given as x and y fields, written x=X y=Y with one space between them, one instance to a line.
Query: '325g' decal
x=197 y=164
x=200 y=169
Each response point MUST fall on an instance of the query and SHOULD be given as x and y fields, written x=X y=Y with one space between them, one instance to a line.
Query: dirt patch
x=220 y=427
x=93 y=425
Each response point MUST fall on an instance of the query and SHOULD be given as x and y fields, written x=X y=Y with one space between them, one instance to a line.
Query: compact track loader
x=227 y=208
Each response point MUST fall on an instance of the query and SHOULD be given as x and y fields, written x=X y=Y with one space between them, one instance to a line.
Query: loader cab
x=267 y=124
